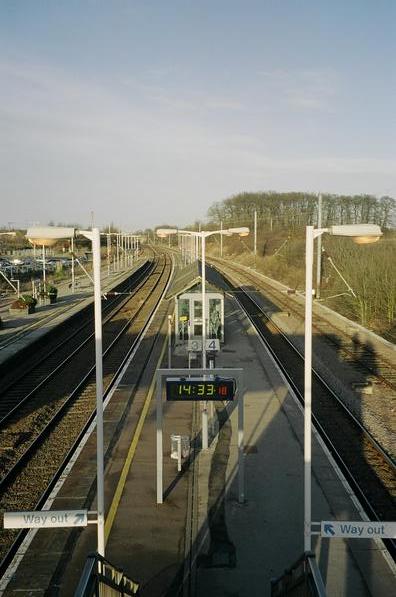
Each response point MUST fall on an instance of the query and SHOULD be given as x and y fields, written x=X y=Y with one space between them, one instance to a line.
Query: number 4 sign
x=212 y=345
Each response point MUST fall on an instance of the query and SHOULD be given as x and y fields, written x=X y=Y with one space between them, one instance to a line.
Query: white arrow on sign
x=41 y=519
x=358 y=529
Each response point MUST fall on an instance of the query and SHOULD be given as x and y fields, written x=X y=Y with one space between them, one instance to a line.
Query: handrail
x=99 y=573
x=316 y=575
x=304 y=575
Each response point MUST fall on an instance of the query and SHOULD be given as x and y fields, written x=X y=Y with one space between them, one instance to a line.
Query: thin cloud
x=74 y=144
x=305 y=89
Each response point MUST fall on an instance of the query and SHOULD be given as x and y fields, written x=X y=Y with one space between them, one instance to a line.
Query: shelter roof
x=188 y=277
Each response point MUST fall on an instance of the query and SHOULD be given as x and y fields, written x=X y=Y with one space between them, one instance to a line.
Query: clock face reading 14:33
x=200 y=389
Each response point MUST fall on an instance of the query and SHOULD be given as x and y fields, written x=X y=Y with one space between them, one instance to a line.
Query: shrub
x=24 y=301
x=52 y=290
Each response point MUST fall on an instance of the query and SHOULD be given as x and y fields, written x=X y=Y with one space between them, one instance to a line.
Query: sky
x=144 y=113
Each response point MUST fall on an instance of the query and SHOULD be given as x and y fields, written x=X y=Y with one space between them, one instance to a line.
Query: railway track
x=32 y=367
x=361 y=355
x=40 y=432
x=370 y=471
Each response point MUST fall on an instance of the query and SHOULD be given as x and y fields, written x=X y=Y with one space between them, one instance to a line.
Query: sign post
x=205 y=384
x=358 y=529
x=41 y=519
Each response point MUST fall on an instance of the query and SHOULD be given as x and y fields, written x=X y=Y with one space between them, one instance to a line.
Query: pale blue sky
x=147 y=112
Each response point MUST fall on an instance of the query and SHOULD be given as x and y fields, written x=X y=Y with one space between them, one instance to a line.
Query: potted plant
x=25 y=303
x=52 y=293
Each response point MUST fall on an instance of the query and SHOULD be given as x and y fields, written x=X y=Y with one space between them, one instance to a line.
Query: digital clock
x=179 y=388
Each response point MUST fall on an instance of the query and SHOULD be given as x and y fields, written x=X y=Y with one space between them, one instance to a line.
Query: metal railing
x=101 y=579
x=303 y=579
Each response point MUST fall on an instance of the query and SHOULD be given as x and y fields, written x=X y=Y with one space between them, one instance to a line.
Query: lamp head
x=242 y=231
x=361 y=233
x=47 y=236
x=164 y=232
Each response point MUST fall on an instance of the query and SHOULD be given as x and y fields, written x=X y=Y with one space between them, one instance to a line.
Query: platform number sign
x=212 y=345
x=195 y=345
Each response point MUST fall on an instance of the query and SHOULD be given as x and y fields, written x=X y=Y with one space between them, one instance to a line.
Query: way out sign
x=358 y=529
x=41 y=519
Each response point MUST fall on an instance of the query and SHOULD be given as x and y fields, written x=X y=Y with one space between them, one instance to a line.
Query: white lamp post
x=46 y=237
x=203 y=234
x=361 y=233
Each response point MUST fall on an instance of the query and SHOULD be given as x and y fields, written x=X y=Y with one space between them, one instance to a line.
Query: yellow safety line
x=131 y=453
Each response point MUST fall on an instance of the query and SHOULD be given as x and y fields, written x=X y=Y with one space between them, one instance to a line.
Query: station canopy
x=188 y=279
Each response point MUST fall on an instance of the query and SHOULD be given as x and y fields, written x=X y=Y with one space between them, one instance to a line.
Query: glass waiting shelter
x=186 y=291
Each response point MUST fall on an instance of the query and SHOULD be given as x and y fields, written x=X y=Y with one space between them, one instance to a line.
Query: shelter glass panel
x=197 y=331
x=214 y=318
x=197 y=309
x=184 y=318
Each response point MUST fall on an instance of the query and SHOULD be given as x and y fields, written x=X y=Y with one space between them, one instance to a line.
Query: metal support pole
x=319 y=249
x=205 y=406
x=179 y=454
x=99 y=389
x=203 y=267
x=108 y=238
x=255 y=233
x=17 y=286
x=241 y=455
x=72 y=266
x=308 y=387
x=160 y=491
x=169 y=341
x=221 y=239
x=118 y=251
x=44 y=276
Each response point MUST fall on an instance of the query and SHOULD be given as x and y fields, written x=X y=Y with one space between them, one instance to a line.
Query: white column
x=308 y=387
x=205 y=406
x=203 y=300
x=108 y=238
x=221 y=239
x=44 y=274
x=241 y=455
x=255 y=233
x=319 y=248
x=160 y=492
x=99 y=389
x=72 y=266
x=169 y=341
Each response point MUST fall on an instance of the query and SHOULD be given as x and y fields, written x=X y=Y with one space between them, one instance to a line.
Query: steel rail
x=66 y=401
x=354 y=483
x=21 y=534
x=347 y=345
x=108 y=307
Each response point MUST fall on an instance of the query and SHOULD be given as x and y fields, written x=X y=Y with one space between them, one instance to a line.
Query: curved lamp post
x=46 y=237
x=361 y=234
x=203 y=234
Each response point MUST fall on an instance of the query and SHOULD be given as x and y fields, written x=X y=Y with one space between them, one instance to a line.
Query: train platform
x=201 y=541
x=17 y=332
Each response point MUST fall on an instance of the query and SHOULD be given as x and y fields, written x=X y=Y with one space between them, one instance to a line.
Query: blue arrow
x=79 y=518
x=329 y=529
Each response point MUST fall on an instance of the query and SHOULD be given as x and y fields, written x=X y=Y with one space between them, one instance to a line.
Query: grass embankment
x=369 y=270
